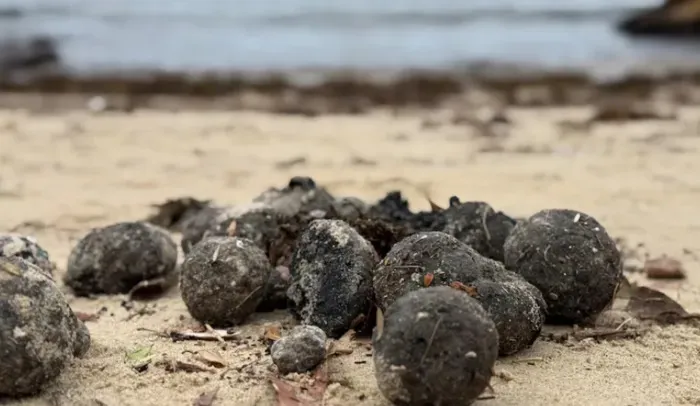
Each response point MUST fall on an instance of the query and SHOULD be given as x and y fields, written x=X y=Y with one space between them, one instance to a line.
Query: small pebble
x=114 y=259
x=331 y=276
x=223 y=280
x=300 y=351
x=570 y=258
x=664 y=268
x=27 y=248
x=438 y=346
x=39 y=334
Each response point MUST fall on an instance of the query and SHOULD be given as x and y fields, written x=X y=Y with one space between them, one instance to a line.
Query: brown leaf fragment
x=664 y=268
x=470 y=290
x=286 y=392
x=206 y=398
x=272 y=332
x=211 y=358
x=343 y=345
x=85 y=317
x=649 y=304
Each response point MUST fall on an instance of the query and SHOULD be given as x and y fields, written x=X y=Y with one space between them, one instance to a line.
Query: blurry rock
x=223 y=280
x=394 y=209
x=351 y=208
x=300 y=195
x=27 y=248
x=194 y=227
x=114 y=259
x=664 y=268
x=437 y=347
x=29 y=53
x=173 y=213
x=332 y=276
x=39 y=334
x=674 y=18
x=300 y=351
x=570 y=258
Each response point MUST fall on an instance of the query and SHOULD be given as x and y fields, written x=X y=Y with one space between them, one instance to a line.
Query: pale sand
x=74 y=171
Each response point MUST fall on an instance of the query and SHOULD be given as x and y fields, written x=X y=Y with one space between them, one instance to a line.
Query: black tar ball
x=570 y=258
x=113 y=259
x=479 y=226
x=332 y=276
x=438 y=346
x=437 y=259
x=223 y=280
x=39 y=334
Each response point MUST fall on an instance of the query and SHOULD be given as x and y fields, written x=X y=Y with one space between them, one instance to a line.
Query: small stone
x=27 y=248
x=438 y=259
x=39 y=334
x=258 y=223
x=479 y=226
x=664 y=268
x=331 y=276
x=223 y=280
x=438 y=346
x=570 y=258
x=300 y=351
x=114 y=259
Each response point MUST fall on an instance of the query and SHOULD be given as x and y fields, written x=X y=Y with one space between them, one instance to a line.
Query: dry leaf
x=294 y=394
x=139 y=358
x=85 y=317
x=343 y=345
x=212 y=358
x=286 y=393
x=664 y=268
x=471 y=291
x=428 y=279
x=650 y=304
x=206 y=398
x=272 y=332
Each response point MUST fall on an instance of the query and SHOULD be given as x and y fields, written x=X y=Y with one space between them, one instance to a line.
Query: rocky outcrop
x=674 y=18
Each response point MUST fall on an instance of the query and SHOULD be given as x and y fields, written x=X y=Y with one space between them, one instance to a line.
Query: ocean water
x=223 y=35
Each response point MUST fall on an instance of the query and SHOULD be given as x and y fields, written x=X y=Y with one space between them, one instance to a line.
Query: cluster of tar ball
x=463 y=288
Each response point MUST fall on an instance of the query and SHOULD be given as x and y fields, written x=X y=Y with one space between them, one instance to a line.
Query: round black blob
x=223 y=280
x=435 y=258
x=331 y=276
x=438 y=346
x=194 y=228
x=570 y=258
x=39 y=334
x=113 y=259
x=479 y=226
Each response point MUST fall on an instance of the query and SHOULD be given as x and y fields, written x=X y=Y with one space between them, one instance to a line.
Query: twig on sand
x=213 y=335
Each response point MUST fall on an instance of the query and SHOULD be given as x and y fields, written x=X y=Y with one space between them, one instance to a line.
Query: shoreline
x=345 y=91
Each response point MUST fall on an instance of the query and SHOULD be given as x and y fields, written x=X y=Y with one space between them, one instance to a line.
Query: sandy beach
x=63 y=173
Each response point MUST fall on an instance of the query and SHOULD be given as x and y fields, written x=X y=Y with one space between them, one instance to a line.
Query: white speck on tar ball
x=470 y=354
x=422 y=315
x=577 y=217
x=18 y=332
